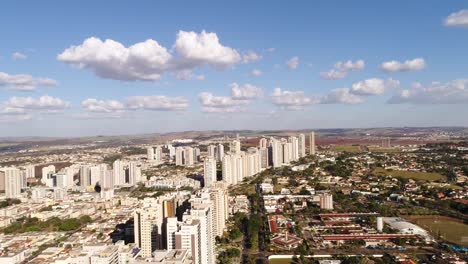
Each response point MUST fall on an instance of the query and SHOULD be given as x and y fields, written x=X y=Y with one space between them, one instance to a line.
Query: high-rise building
x=386 y=143
x=146 y=230
x=12 y=182
x=302 y=145
x=30 y=171
x=46 y=173
x=204 y=214
x=85 y=176
x=276 y=150
x=209 y=169
x=220 y=152
x=326 y=201
x=294 y=148
x=235 y=146
x=189 y=237
x=263 y=143
x=133 y=173
x=150 y=153
x=211 y=149
x=189 y=158
x=232 y=168
x=118 y=173
x=219 y=198
x=179 y=156
x=264 y=158
x=312 y=143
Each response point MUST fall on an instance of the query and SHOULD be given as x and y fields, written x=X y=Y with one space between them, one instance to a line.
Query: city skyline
x=159 y=67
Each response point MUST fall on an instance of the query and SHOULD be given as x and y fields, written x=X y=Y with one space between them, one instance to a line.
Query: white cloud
x=103 y=106
x=452 y=92
x=292 y=100
x=333 y=74
x=24 y=82
x=293 y=63
x=245 y=92
x=204 y=48
x=45 y=104
x=408 y=65
x=350 y=65
x=220 y=104
x=157 y=103
x=342 y=68
x=256 y=72
x=19 y=56
x=148 y=60
x=188 y=75
x=250 y=56
x=341 y=96
x=373 y=86
x=457 y=19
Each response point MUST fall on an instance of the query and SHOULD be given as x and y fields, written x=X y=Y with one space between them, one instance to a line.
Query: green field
x=449 y=229
x=385 y=150
x=428 y=176
x=280 y=261
x=347 y=148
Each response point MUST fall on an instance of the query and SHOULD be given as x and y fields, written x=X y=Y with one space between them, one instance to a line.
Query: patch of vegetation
x=427 y=176
x=347 y=148
x=7 y=202
x=54 y=224
x=133 y=151
x=111 y=158
x=444 y=228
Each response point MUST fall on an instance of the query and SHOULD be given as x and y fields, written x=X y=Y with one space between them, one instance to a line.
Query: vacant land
x=346 y=148
x=386 y=150
x=449 y=229
x=415 y=175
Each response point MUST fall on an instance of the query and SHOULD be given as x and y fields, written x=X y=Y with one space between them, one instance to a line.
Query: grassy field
x=346 y=148
x=279 y=261
x=386 y=150
x=449 y=229
x=428 y=176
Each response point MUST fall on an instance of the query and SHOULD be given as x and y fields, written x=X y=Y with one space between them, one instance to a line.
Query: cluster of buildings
x=169 y=224
x=237 y=164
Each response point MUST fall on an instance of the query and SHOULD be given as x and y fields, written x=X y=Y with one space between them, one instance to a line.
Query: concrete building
x=209 y=171
x=312 y=143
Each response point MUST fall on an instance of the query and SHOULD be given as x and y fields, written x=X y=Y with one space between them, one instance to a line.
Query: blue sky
x=224 y=65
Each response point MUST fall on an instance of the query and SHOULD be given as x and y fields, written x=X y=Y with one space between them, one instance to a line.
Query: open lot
x=450 y=229
x=415 y=175
x=347 y=148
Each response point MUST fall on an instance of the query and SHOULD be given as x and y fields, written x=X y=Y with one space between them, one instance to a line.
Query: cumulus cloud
x=148 y=60
x=457 y=19
x=44 y=102
x=341 y=96
x=292 y=100
x=22 y=106
x=245 y=92
x=220 y=104
x=19 y=56
x=256 y=72
x=373 y=86
x=188 y=75
x=293 y=63
x=24 y=82
x=102 y=106
x=342 y=68
x=151 y=102
x=453 y=92
x=408 y=65
x=333 y=74
x=250 y=56
x=241 y=95
x=157 y=103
